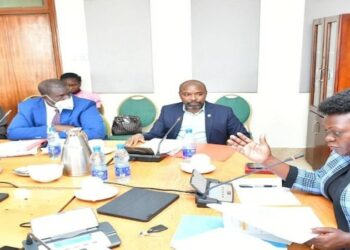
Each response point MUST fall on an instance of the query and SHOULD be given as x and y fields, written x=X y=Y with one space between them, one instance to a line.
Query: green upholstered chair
x=239 y=106
x=140 y=106
x=107 y=126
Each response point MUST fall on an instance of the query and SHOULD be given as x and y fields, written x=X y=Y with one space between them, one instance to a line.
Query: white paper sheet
x=222 y=239
x=293 y=224
x=17 y=148
x=254 y=182
x=56 y=225
x=264 y=191
x=168 y=146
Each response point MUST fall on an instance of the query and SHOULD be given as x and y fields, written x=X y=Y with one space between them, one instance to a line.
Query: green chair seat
x=118 y=137
x=239 y=106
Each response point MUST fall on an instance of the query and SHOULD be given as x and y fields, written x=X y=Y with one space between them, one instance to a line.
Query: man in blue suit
x=56 y=108
x=210 y=123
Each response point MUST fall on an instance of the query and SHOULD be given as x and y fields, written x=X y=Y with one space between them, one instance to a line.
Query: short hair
x=336 y=104
x=70 y=75
x=47 y=86
x=192 y=82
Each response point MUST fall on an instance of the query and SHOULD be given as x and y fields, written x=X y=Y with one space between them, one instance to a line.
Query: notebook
x=138 y=204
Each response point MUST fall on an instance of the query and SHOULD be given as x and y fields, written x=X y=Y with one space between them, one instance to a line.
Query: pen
x=256 y=186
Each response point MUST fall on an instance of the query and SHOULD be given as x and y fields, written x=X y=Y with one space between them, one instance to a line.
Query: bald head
x=188 y=83
x=51 y=86
x=53 y=90
x=193 y=94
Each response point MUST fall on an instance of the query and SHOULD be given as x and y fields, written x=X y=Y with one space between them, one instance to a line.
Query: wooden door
x=330 y=73
x=316 y=88
x=342 y=75
x=28 y=54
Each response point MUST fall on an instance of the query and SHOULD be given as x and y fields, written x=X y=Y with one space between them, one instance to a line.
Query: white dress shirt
x=195 y=121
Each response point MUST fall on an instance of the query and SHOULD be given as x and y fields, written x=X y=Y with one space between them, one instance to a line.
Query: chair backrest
x=140 y=106
x=239 y=106
x=30 y=97
x=107 y=125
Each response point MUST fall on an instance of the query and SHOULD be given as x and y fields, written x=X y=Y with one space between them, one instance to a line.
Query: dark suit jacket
x=220 y=123
x=30 y=121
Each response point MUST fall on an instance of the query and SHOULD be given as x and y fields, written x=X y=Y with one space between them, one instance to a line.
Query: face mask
x=65 y=104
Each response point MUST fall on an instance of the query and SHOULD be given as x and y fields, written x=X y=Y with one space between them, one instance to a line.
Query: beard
x=193 y=105
x=76 y=91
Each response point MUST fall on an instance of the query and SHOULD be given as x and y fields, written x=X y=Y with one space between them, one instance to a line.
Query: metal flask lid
x=76 y=153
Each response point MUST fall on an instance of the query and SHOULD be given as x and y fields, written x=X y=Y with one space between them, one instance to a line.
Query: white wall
x=278 y=110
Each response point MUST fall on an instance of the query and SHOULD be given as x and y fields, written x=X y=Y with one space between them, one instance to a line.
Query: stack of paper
x=17 y=148
x=168 y=146
x=292 y=224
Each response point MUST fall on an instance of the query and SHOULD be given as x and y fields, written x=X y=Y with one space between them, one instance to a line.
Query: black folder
x=138 y=204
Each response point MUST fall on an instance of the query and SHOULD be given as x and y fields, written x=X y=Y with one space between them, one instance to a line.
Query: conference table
x=33 y=199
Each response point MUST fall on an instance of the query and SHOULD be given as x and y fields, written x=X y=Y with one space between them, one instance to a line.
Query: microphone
x=29 y=241
x=166 y=134
x=204 y=198
x=5 y=115
x=147 y=155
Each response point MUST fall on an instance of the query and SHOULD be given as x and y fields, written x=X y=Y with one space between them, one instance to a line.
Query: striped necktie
x=56 y=119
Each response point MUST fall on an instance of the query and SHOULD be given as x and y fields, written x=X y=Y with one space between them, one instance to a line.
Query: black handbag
x=126 y=125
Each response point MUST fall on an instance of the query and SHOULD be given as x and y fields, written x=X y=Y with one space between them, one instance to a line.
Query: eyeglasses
x=335 y=134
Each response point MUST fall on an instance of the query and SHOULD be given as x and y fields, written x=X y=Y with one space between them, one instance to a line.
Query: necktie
x=56 y=118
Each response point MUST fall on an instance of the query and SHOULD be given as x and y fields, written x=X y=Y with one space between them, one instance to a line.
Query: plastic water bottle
x=122 y=165
x=53 y=143
x=189 y=145
x=98 y=166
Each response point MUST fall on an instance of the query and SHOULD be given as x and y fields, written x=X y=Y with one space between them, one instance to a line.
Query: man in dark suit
x=210 y=123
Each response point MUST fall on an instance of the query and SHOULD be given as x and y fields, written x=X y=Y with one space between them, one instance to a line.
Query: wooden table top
x=33 y=199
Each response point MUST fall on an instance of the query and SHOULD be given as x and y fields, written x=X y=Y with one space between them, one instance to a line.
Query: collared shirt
x=316 y=182
x=90 y=96
x=195 y=121
x=50 y=113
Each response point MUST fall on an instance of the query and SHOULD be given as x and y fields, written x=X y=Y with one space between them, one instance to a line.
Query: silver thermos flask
x=76 y=153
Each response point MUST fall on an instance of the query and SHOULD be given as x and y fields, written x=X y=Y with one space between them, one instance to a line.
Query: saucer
x=102 y=193
x=45 y=172
x=21 y=171
x=188 y=168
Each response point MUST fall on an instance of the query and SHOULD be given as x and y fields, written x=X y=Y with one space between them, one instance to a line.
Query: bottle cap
x=188 y=130
x=52 y=129
x=96 y=149
x=120 y=146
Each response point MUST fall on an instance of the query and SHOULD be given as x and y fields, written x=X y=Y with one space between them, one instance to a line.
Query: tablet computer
x=138 y=204
x=139 y=150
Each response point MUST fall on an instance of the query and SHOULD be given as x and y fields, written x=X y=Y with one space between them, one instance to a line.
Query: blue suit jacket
x=30 y=121
x=220 y=123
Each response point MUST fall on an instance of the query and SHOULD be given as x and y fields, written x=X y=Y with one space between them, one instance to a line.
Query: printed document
x=17 y=148
x=168 y=146
x=293 y=224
